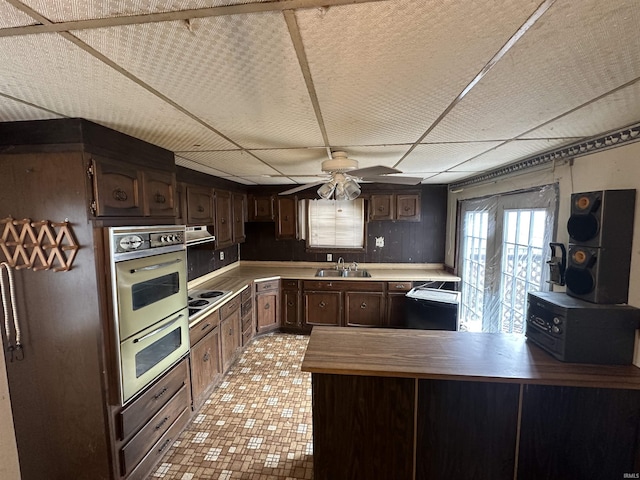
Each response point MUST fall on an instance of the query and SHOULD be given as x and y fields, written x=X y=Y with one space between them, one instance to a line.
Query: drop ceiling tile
x=294 y=161
x=385 y=71
x=537 y=81
x=438 y=157
x=509 y=152
x=447 y=177
x=239 y=73
x=10 y=16
x=53 y=73
x=373 y=155
x=232 y=162
x=68 y=11
x=619 y=109
x=262 y=180
x=199 y=167
x=13 y=111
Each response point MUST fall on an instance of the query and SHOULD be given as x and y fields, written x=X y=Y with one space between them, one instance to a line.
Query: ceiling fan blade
x=299 y=188
x=392 y=179
x=370 y=171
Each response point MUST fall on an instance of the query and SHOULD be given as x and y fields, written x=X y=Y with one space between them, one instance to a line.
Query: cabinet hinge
x=90 y=172
x=93 y=207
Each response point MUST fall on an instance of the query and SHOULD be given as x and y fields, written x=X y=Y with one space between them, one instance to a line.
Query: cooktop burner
x=201 y=301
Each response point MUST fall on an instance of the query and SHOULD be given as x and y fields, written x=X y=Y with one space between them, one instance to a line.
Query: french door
x=503 y=257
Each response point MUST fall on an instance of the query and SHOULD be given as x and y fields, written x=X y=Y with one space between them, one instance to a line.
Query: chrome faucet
x=354 y=266
x=340 y=262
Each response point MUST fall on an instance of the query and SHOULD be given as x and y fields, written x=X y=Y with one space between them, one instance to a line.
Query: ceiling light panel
x=437 y=157
x=12 y=17
x=576 y=52
x=509 y=152
x=12 y=111
x=72 y=10
x=53 y=73
x=233 y=162
x=238 y=73
x=385 y=71
x=295 y=161
x=621 y=108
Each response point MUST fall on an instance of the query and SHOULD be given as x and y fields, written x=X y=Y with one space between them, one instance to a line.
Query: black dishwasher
x=431 y=309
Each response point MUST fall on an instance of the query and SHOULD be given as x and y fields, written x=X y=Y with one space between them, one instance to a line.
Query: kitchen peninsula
x=424 y=404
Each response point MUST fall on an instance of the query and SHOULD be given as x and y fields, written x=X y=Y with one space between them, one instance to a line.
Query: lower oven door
x=148 y=288
x=149 y=353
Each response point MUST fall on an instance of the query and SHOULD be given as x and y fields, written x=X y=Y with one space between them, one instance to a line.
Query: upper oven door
x=150 y=289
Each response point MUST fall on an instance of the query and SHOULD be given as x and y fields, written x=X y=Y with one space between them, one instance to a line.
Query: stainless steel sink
x=332 y=272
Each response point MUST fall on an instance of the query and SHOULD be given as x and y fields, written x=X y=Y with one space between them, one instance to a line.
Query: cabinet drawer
x=290 y=284
x=246 y=308
x=149 y=403
x=322 y=285
x=246 y=322
x=204 y=326
x=398 y=286
x=265 y=286
x=363 y=286
x=143 y=469
x=245 y=295
x=230 y=307
x=142 y=442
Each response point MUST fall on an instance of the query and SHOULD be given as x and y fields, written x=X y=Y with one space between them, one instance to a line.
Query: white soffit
x=618 y=109
x=385 y=71
x=509 y=152
x=239 y=73
x=232 y=162
x=55 y=74
x=437 y=157
x=11 y=111
x=295 y=161
x=576 y=52
x=12 y=17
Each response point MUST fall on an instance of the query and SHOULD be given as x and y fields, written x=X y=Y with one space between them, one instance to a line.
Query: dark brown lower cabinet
x=322 y=308
x=371 y=428
x=206 y=369
x=372 y=418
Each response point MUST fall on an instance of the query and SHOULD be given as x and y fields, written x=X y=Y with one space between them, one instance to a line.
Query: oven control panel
x=141 y=239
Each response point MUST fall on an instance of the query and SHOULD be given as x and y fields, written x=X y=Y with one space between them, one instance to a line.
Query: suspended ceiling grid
x=261 y=92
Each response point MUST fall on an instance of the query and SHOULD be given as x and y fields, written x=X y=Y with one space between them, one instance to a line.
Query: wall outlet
x=329 y=257
x=221 y=255
x=379 y=241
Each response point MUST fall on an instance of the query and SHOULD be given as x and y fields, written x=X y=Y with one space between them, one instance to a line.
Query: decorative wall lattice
x=42 y=245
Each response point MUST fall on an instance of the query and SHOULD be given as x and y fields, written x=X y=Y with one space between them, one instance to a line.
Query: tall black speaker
x=600 y=238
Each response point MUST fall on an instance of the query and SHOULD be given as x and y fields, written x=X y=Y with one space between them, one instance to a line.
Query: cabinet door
x=260 y=209
x=396 y=302
x=267 y=311
x=286 y=224
x=205 y=366
x=291 y=309
x=364 y=309
x=116 y=188
x=159 y=194
x=224 y=224
x=239 y=217
x=181 y=203
x=199 y=205
x=323 y=308
x=381 y=207
x=230 y=338
x=408 y=207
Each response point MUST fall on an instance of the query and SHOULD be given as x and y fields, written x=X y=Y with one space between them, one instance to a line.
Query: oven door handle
x=156 y=266
x=157 y=330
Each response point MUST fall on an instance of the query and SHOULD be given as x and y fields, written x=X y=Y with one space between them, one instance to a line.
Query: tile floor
x=257 y=423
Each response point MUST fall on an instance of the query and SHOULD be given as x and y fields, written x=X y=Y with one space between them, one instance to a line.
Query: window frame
x=339 y=249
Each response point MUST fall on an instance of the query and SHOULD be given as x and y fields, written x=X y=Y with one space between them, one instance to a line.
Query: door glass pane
x=474 y=264
x=154 y=290
x=152 y=355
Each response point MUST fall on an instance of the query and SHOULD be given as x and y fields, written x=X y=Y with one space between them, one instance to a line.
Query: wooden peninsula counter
x=414 y=404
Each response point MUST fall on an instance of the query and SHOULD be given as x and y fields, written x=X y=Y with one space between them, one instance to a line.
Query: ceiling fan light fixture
x=351 y=189
x=326 y=190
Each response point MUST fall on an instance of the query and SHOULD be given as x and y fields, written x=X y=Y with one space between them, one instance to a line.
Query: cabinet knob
x=166 y=443
x=290 y=303
x=267 y=306
x=223 y=221
x=160 y=393
x=406 y=209
x=322 y=304
x=363 y=305
x=200 y=208
x=206 y=357
x=162 y=422
x=120 y=195
x=380 y=208
x=159 y=198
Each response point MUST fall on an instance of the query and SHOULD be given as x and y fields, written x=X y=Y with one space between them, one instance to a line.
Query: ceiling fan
x=344 y=175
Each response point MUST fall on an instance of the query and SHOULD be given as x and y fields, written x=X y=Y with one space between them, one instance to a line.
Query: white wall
x=618 y=168
x=9 y=469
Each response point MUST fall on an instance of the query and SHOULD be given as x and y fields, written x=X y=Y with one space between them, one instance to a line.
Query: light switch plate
x=221 y=255
x=329 y=257
x=379 y=241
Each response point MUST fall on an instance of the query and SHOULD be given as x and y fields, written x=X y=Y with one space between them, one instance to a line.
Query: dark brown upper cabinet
x=261 y=208
x=239 y=201
x=199 y=205
x=286 y=218
x=224 y=219
x=117 y=188
x=159 y=193
x=381 y=207
x=404 y=207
